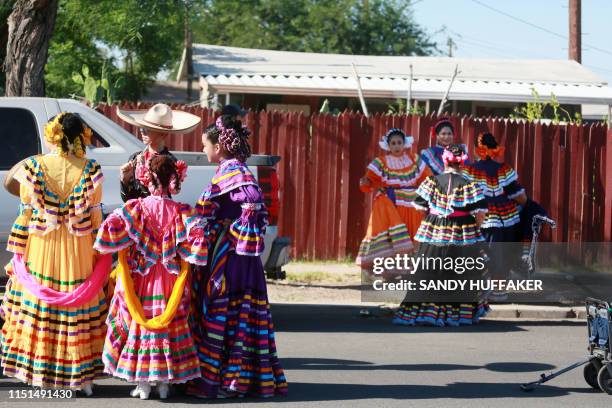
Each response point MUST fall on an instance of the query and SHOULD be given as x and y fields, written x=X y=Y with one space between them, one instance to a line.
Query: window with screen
x=19 y=135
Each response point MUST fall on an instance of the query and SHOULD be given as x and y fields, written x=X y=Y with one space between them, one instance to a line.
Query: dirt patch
x=318 y=282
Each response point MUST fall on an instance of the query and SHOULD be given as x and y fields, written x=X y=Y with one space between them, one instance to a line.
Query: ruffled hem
x=194 y=391
x=26 y=377
x=460 y=197
x=440 y=315
x=248 y=231
x=129 y=348
x=448 y=231
x=151 y=378
x=388 y=243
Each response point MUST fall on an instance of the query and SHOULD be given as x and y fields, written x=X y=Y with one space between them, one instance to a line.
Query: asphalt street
x=333 y=357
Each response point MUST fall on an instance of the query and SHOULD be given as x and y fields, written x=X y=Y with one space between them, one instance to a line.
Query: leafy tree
x=140 y=38
x=137 y=37
x=368 y=27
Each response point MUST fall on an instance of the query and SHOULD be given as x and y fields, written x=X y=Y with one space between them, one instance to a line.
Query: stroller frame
x=598 y=365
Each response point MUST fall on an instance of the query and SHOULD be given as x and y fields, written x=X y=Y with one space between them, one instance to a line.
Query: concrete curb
x=502 y=311
x=515 y=311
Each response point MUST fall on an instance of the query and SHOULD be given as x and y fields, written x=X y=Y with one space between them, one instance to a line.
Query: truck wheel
x=605 y=379
x=275 y=274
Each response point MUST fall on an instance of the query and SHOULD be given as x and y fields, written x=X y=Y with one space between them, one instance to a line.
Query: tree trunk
x=30 y=27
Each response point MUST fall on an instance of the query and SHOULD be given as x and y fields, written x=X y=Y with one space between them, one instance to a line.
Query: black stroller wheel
x=605 y=380
x=590 y=375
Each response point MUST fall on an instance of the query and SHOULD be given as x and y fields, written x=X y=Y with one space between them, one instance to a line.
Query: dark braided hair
x=233 y=137
x=164 y=168
x=72 y=126
x=487 y=139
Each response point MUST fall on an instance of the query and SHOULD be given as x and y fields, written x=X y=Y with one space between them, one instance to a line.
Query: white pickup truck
x=22 y=121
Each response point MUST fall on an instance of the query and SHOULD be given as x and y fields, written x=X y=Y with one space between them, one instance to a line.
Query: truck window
x=96 y=139
x=19 y=136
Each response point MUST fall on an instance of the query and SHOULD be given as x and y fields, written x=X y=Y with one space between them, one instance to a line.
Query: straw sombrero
x=160 y=118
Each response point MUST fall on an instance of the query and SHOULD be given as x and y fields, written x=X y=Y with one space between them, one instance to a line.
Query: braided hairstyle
x=231 y=135
x=486 y=139
x=487 y=146
x=163 y=169
x=72 y=127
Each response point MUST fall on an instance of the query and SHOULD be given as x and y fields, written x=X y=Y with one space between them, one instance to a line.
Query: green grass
x=343 y=261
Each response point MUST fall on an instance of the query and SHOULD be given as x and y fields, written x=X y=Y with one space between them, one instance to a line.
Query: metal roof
x=245 y=70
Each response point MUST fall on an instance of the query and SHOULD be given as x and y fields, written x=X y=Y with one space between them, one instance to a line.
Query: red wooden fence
x=566 y=168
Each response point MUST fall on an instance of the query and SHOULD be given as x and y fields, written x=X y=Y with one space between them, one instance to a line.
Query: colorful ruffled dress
x=157 y=236
x=448 y=230
x=55 y=343
x=432 y=156
x=231 y=319
x=500 y=185
x=394 y=219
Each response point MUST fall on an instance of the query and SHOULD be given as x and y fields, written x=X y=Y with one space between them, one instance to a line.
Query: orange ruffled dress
x=394 y=219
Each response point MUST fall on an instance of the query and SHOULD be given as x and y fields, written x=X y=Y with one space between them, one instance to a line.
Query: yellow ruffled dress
x=48 y=345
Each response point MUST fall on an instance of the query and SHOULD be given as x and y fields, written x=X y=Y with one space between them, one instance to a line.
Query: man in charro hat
x=155 y=124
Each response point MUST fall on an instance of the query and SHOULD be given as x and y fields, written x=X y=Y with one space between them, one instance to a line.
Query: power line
x=546 y=30
x=599 y=68
x=493 y=45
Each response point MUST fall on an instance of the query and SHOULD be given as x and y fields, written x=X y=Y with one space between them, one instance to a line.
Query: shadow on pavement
x=315 y=392
x=340 y=319
x=291 y=363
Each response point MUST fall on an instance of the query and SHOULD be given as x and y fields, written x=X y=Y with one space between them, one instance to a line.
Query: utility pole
x=575 y=31
x=188 y=50
x=451 y=44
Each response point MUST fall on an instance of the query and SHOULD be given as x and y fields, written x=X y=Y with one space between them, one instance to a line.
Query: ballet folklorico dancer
x=231 y=319
x=393 y=177
x=455 y=206
x=149 y=341
x=54 y=304
x=444 y=133
x=505 y=196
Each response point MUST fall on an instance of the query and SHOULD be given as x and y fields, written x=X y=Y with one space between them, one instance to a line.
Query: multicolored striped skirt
x=232 y=327
x=47 y=345
x=433 y=314
x=134 y=353
x=389 y=231
x=465 y=307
